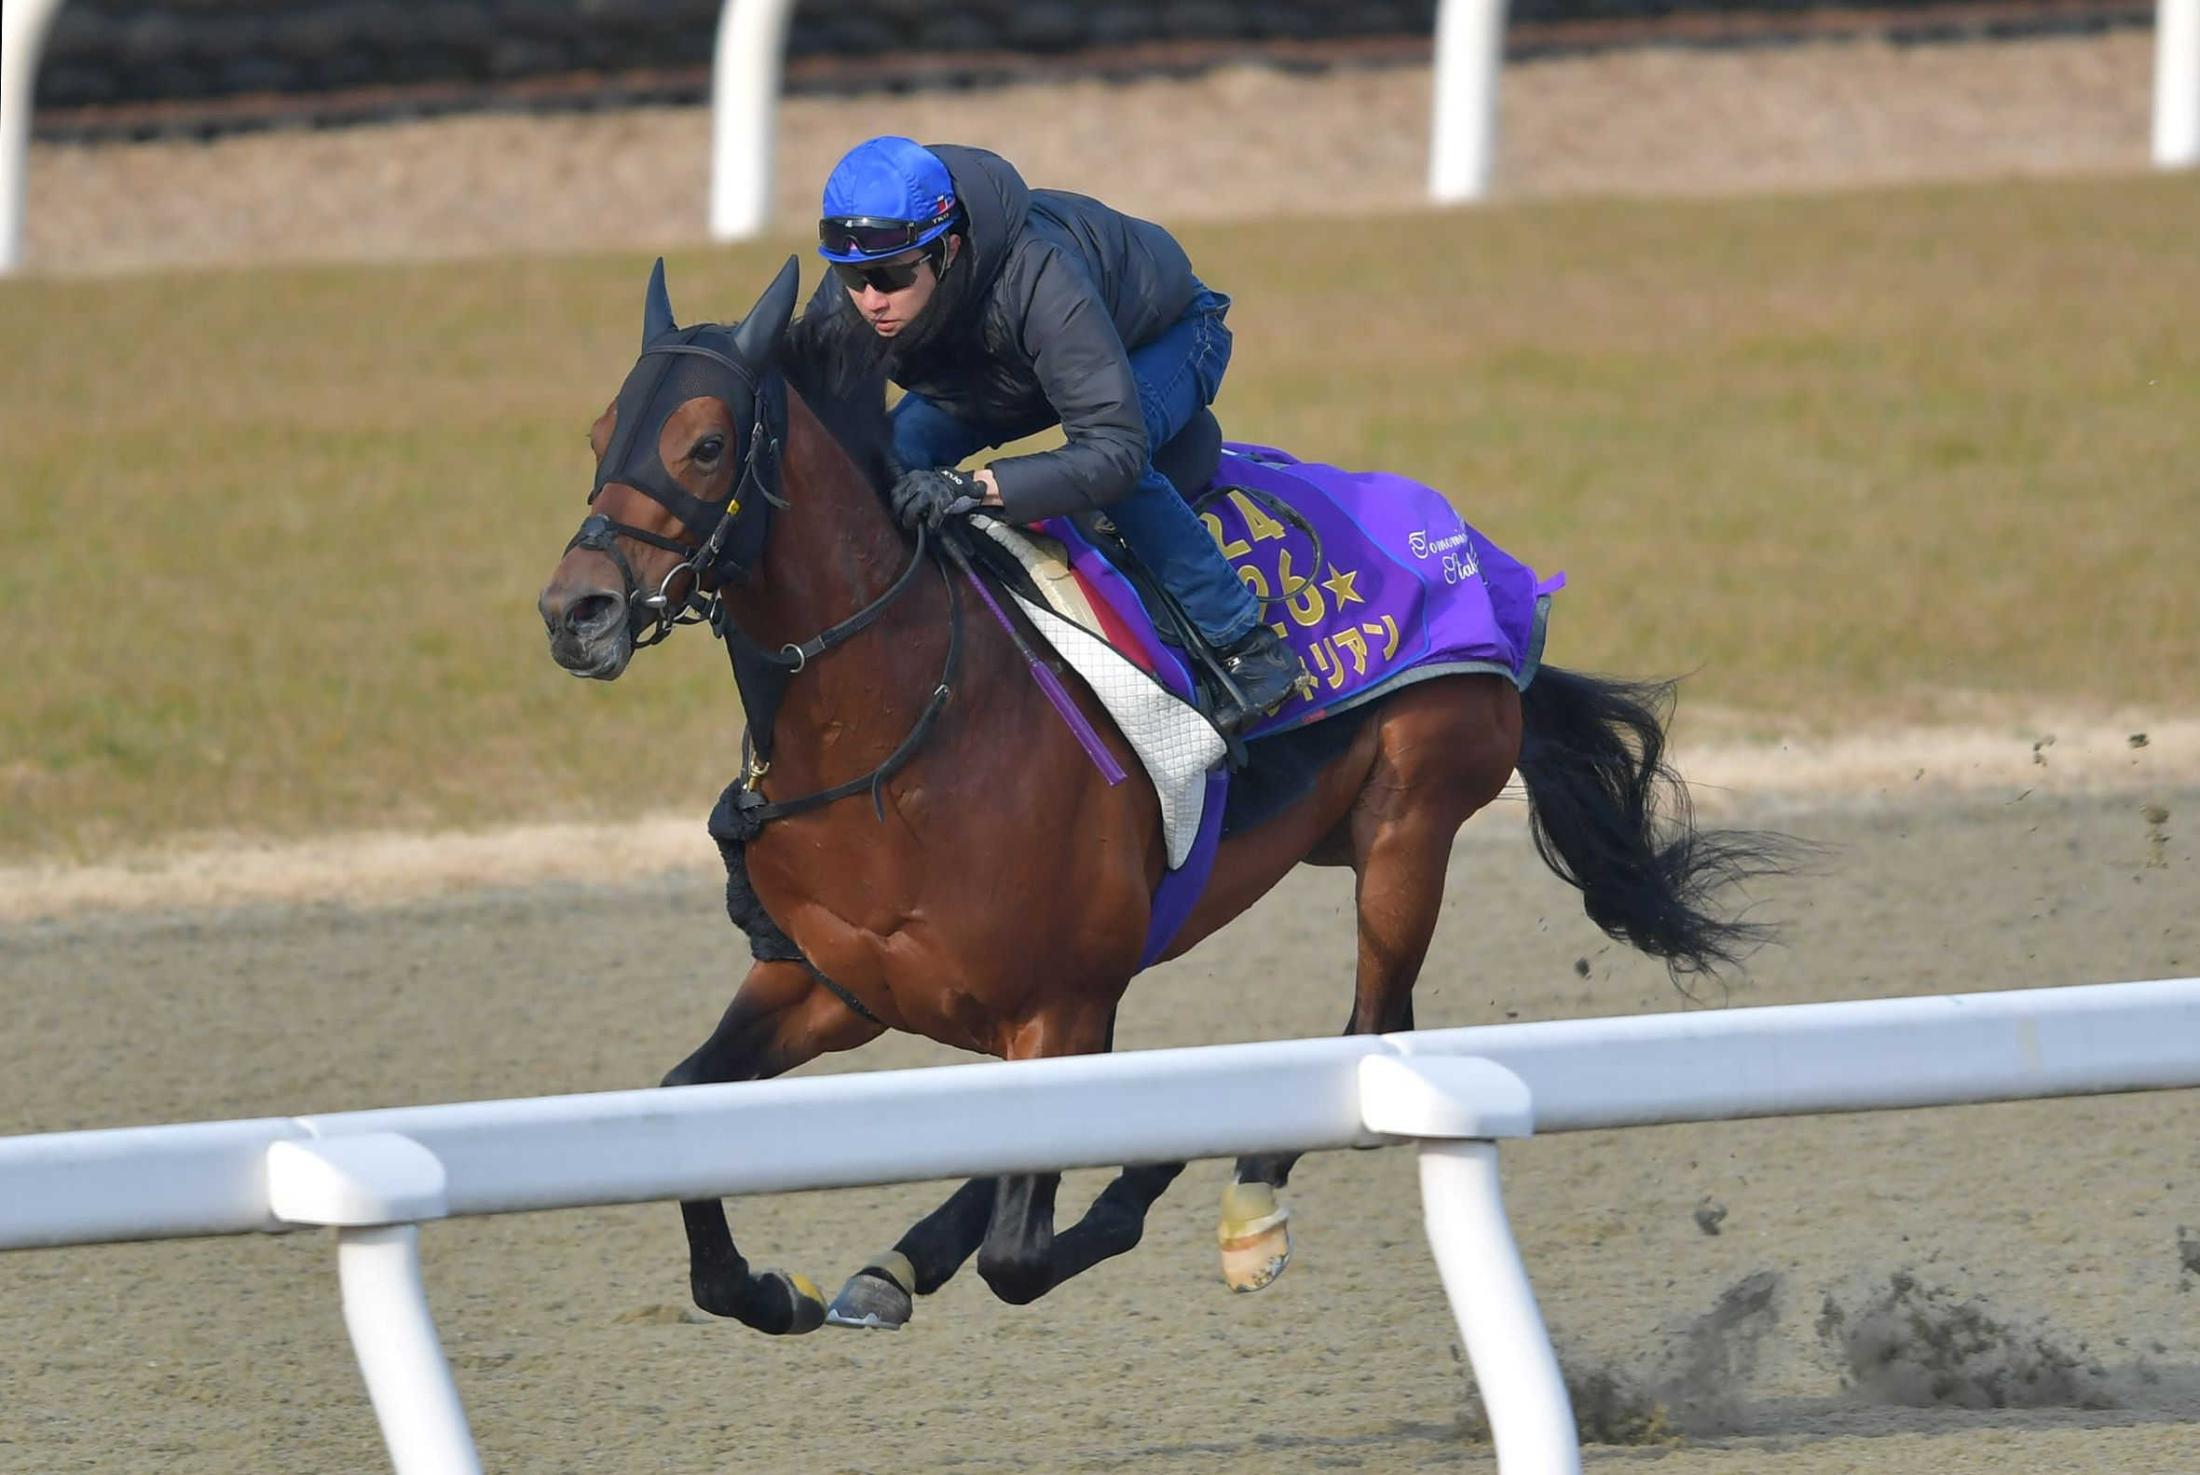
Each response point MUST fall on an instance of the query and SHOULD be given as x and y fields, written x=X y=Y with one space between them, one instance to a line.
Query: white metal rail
x=375 y=1175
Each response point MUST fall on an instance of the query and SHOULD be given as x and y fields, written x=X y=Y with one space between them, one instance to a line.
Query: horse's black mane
x=842 y=378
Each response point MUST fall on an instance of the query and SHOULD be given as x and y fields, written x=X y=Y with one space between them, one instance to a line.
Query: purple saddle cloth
x=1399 y=590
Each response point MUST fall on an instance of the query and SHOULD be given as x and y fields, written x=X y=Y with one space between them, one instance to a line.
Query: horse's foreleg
x=1012 y=1217
x=1033 y=1258
x=780 y=1017
x=1016 y=1257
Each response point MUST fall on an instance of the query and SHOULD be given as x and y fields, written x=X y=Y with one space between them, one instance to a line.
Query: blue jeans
x=1177 y=374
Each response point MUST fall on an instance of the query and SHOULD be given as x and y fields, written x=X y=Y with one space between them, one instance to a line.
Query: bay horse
x=901 y=875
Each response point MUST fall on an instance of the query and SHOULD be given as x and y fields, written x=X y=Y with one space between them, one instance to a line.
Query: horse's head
x=685 y=467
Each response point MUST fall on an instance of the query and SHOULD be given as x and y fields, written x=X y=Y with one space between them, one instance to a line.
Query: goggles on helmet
x=869 y=235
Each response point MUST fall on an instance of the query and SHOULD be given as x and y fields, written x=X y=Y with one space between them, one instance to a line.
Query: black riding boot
x=1265 y=670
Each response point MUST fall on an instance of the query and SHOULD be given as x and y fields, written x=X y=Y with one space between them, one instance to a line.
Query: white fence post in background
x=2177 y=84
x=744 y=106
x=1470 y=50
x=23 y=28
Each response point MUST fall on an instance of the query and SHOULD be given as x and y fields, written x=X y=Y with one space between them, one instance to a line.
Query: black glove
x=928 y=497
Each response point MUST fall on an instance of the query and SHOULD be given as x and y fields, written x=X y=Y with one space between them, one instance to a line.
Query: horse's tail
x=1613 y=819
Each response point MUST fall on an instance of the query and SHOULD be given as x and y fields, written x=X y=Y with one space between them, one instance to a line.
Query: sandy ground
x=2061 y=1238
x=1242 y=142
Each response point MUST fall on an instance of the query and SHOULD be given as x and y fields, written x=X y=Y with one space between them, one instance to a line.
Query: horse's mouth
x=597 y=660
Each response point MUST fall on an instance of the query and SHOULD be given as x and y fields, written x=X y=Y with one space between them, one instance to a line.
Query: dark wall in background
x=130 y=51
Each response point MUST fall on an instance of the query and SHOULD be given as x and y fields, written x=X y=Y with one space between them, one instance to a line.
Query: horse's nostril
x=594 y=614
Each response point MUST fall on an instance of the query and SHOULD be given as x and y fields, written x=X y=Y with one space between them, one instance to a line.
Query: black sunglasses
x=869 y=235
x=855 y=275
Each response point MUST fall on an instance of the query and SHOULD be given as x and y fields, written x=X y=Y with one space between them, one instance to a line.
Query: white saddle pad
x=1175 y=743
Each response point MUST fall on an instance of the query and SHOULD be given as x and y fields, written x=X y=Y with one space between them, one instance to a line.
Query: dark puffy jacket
x=1031 y=326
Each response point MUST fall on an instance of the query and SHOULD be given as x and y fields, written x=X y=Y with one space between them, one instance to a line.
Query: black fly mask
x=723 y=541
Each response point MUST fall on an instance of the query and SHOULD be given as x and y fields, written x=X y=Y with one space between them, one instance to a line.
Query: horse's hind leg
x=1446 y=749
x=779 y=1018
x=1023 y=1258
x=882 y=1295
x=1010 y=1223
x=1408 y=882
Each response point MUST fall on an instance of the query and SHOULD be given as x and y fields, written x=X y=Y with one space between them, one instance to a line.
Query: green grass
x=272 y=539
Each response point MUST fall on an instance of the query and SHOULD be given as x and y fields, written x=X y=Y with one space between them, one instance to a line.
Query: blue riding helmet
x=887 y=196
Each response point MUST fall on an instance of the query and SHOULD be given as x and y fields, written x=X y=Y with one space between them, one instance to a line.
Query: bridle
x=654 y=616
x=728 y=553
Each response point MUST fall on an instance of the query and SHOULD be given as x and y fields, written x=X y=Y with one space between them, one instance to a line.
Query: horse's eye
x=710 y=448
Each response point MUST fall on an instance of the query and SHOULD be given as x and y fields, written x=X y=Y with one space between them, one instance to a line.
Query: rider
x=1003 y=310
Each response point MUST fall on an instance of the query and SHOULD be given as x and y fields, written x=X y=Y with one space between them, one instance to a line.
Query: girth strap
x=768 y=942
x=840 y=993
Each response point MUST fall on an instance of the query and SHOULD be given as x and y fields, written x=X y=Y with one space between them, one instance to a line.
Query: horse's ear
x=757 y=339
x=657 y=307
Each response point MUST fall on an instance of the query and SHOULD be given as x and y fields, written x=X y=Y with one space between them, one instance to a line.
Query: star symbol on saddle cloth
x=1340 y=586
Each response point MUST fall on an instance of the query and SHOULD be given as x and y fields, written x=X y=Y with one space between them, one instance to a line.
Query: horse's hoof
x=1252 y=1262
x=873 y=1298
x=1255 y=1236
x=794 y=1307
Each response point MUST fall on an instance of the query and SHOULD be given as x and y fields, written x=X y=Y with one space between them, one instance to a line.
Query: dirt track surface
x=2055 y=1239
x=1245 y=142
x=2134 y=754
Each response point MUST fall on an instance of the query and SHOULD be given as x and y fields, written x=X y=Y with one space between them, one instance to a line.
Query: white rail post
x=24 y=25
x=744 y=106
x=1453 y=1107
x=2177 y=84
x=1470 y=50
x=373 y=1189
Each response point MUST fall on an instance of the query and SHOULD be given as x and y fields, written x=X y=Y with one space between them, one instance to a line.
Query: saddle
x=1039 y=571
